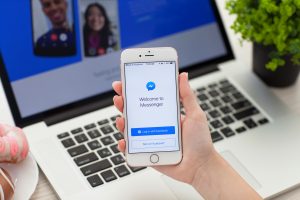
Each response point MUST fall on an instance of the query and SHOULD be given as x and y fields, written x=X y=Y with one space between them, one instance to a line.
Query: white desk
x=290 y=96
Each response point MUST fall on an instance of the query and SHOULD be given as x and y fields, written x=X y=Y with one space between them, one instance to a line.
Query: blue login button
x=165 y=130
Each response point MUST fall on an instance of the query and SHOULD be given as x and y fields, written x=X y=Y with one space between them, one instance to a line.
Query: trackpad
x=237 y=165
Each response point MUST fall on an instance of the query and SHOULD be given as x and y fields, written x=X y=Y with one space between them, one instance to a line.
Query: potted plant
x=274 y=28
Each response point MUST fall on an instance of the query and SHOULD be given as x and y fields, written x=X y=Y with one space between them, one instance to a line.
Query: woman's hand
x=196 y=141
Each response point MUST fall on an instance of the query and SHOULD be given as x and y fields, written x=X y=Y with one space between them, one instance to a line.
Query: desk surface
x=290 y=96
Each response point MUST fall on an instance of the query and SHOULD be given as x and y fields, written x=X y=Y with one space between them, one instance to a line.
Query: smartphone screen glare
x=152 y=111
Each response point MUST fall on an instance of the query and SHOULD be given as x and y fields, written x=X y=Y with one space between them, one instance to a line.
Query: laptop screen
x=57 y=52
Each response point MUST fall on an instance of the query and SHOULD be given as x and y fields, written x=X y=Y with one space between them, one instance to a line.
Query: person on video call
x=60 y=39
x=201 y=165
x=98 y=38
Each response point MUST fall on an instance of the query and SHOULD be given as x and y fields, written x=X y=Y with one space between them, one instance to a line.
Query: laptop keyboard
x=94 y=147
x=94 y=150
x=228 y=111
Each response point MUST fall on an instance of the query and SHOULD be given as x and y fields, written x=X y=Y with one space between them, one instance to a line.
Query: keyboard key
x=121 y=170
x=104 y=152
x=115 y=148
x=95 y=180
x=214 y=113
x=238 y=95
x=225 y=110
x=224 y=81
x=85 y=159
x=63 y=135
x=246 y=113
x=108 y=176
x=76 y=131
x=204 y=106
x=115 y=117
x=68 y=142
x=263 y=121
x=118 y=136
x=102 y=122
x=95 y=144
x=115 y=125
x=94 y=133
x=215 y=136
x=227 y=132
x=90 y=126
x=95 y=167
x=107 y=129
x=75 y=151
x=241 y=104
x=227 y=120
x=216 y=124
x=226 y=99
x=81 y=138
x=201 y=89
x=107 y=140
x=136 y=169
x=118 y=159
x=228 y=88
x=213 y=93
x=215 y=103
x=240 y=129
x=212 y=85
x=250 y=123
x=202 y=97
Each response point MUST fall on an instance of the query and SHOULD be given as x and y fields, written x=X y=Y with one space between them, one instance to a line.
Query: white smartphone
x=151 y=106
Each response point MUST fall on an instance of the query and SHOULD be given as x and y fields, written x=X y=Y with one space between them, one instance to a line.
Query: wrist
x=202 y=175
x=216 y=179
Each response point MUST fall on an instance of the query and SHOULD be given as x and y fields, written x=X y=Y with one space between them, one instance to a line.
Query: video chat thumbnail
x=99 y=22
x=53 y=27
x=54 y=33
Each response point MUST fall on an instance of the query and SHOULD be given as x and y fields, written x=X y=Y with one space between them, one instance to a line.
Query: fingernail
x=185 y=74
x=113 y=83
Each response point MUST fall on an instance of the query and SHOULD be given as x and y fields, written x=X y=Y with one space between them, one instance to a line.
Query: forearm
x=218 y=180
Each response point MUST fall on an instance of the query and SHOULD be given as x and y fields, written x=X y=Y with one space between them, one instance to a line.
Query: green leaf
x=271 y=23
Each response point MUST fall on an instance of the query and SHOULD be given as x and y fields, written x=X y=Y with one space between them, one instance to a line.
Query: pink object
x=2 y=146
x=13 y=144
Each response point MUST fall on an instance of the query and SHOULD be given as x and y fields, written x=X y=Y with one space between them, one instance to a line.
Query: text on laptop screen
x=58 y=52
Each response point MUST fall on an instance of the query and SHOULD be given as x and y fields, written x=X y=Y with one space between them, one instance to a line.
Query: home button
x=154 y=158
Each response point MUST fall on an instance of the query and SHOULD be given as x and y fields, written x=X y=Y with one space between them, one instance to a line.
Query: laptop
x=58 y=61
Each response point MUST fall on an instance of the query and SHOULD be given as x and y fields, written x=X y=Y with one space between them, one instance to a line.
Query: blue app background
x=140 y=21
x=144 y=20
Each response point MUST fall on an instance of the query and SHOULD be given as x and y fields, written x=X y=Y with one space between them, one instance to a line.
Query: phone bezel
x=151 y=55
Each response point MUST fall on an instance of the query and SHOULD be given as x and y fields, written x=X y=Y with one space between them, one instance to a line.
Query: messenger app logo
x=150 y=86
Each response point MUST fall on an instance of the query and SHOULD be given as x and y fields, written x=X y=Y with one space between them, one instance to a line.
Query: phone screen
x=152 y=107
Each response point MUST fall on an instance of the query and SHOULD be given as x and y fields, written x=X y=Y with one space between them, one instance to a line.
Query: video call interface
x=58 y=52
